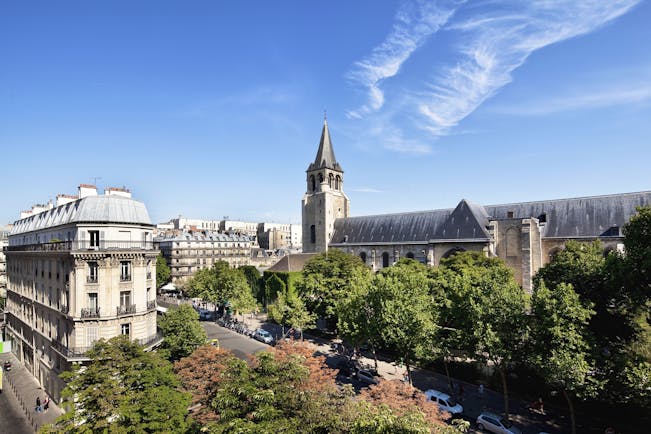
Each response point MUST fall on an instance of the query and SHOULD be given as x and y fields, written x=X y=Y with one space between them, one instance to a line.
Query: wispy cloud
x=366 y=190
x=492 y=39
x=414 y=24
x=630 y=94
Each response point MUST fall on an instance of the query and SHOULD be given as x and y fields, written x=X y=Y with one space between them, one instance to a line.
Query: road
x=242 y=346
x=12 y=419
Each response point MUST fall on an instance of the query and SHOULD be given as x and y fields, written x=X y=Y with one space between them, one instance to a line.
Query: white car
x=444 y=401
x=497 y=424
x=263 y=336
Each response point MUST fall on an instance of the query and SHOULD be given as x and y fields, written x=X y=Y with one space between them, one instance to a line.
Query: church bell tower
x=325 y=200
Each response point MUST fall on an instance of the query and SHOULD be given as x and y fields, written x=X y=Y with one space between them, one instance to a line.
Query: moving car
x=263 y=336
x=496 y=424
x=444 y=401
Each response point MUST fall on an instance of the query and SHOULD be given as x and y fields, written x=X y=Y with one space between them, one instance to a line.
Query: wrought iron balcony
x=90 y=312
x=151 y=305
x=91 y=279
x=126 y=309
x=148 y=275
x=64 y=309
x=125 y=277
x=66 y=246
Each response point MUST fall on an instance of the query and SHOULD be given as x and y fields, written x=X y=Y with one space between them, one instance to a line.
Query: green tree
x=327 y=279
x=274 y=285
x=122 y=389
x=289 y=310
x=400 y=301
x=487 y=306
x=254 y=279
x=560 y=348
x=163 y=272
x=182 y=330
x=222 y=284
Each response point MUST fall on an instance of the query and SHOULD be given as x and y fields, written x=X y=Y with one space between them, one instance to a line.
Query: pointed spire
x=325 y=156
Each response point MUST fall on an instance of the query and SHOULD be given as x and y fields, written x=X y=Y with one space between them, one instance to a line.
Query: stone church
x=525 y=235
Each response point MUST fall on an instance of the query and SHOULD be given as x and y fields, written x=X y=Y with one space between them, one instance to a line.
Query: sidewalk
x=26 y=389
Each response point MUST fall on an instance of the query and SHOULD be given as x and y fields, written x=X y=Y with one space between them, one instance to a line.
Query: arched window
x=312 y=182
x=330 y=179
x=385 y=259
x=512 y=242
x=410 y=255
x=338 y=182
x=362 y=256
x=453 y=251
x=313 y=234
x=320 y=178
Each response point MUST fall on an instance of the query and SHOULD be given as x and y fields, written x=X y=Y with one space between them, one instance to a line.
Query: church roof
x=588 y=217
x=292 y=262
x=325 y=156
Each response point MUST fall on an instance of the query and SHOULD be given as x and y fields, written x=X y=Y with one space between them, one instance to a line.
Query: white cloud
x=366 y=190
x=492 y=40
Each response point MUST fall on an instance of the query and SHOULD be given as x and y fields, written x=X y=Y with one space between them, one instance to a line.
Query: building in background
x=4 y=239
x=78 y=271
x=189 y=252
x=277 y=236
x=525 y=235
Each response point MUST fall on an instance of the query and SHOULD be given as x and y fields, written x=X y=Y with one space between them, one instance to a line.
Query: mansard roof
x=584 y=217
x=325 y=156
x=90 y=209
x=292 y=262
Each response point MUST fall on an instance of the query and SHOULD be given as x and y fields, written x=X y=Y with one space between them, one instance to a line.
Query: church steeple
x=325 y=156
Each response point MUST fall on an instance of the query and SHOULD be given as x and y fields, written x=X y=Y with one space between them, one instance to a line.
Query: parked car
x=496 y=424
x=7 y=365
x=263 y=336
x=365 y=376
x=445 y=402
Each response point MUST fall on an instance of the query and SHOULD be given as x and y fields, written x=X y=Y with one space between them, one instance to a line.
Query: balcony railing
x=151 y=305
x=90 y=312
x=64 y=309
x=80 y=352
x=126 y=309
x=91 y=279
x=148 y=275
x=64 y=246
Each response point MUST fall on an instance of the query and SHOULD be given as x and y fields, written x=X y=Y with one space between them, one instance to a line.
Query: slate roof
x=293 y=262
x=325 y=156
x=207 y=237
x=584 y=217
x=95 y=209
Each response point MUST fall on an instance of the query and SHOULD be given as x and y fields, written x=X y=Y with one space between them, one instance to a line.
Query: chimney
x=115 y=191
x=25 y=214
x=86 y=190
x=39 y=208
x=63 y=199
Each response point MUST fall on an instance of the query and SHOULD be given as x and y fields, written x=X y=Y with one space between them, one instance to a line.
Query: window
x=330 y=179
x=313 y=234
x=92 y=272
x=410 y=255
x=92 y=301
x=94 y=238
x=337 y=182
x=125 y=329
x=125 y=298
x=125 y=271
x=362 y=256
x=385 y=259
x=320 y=178
x=91 y=335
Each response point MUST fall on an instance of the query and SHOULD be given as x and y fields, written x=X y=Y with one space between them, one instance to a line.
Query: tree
x=488 y=308
x=327 y=279
x=200 y=375
x=254 y=279
x=400 y=301
x=289 y=310
x=122 y=389
x=222 y=284
x=182 y=330
x=274 y=286
x=559 y=335
x=163 y=272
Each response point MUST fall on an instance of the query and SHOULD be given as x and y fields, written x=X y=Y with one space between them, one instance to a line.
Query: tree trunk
x=374 y=356
x=447 y=373
x=408 y=372
x=506 y=393
x=571 y=407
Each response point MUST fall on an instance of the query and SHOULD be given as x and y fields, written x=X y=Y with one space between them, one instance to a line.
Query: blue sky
x=210 y=109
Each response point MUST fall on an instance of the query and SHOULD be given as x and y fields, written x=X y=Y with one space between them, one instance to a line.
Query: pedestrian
x=46 y=404
x=38 y=404
x=480 y=391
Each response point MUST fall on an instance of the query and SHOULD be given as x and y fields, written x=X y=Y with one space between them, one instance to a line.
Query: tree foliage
x=122 y=389
x=328 y=278
x=290 y=310
x=221 y=284
x=163 y=271
x=182 y=330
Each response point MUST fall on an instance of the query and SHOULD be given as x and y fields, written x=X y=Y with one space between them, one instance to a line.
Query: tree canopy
x=163 y=272
x=122 y=389
x=182 y=330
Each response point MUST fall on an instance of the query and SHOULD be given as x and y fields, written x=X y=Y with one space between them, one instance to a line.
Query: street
x=242 y=346
x=12 y=419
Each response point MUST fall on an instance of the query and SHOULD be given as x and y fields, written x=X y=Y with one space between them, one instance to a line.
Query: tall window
x=92 y=301
x=125 y=329
x=337 y=182
x=362 y=256
x=125 y=271
x=94 y=238
x=330 y=179
x=125 y=298
x=92 y=272
x=313 y=234
x=385 y=259
x=91 y=335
